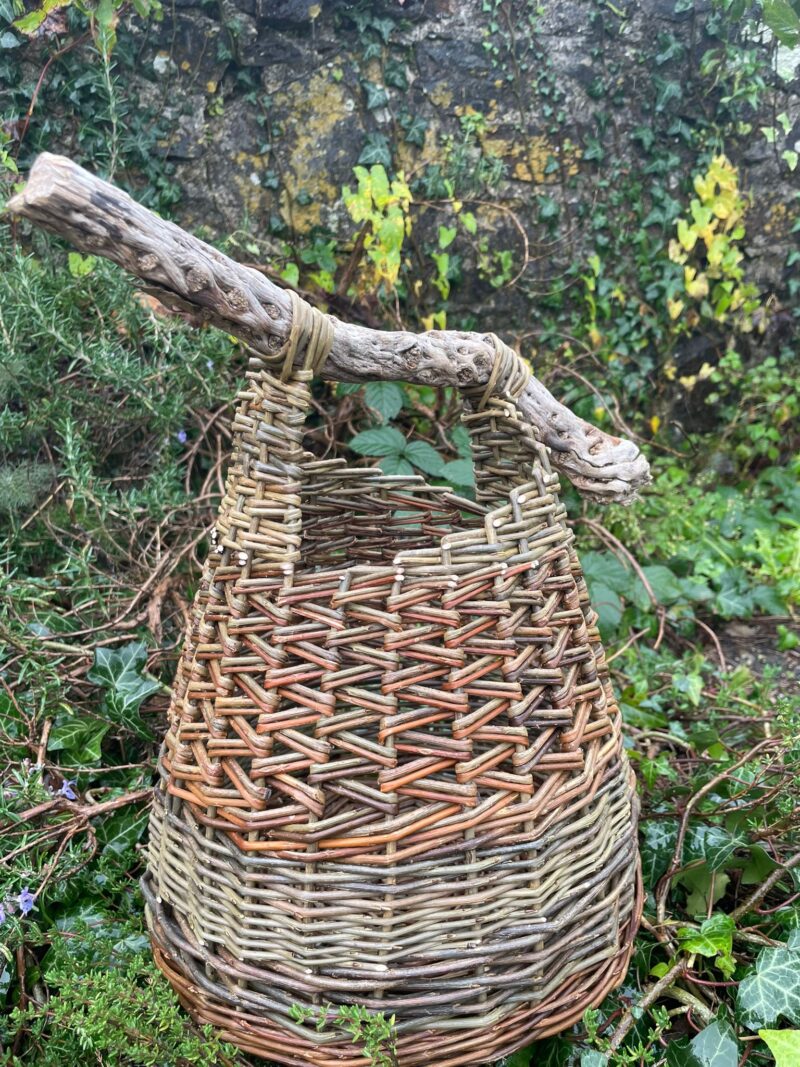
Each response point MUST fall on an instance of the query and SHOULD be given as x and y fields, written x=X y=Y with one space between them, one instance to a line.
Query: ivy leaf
x=704 y=887
x=80 y=738
x=291 y=274
x=715 y=1046
x=459 y=472
x=691 y=685
x=521 y=1058
x=784 y=1046
x=379 y=441
x=758 y=866
x=593 y=1058
x=425 y=457
x=668 y=91
x=715 y=935
x=376 y=150
x=118 y=670
x=394 y=74
x=396 y=463
x=658 y=838
x=469 y=222
x=119 y=833
x=713 y=844
x=80 y=266
x=376 y=96
x=548 y=208
x=734 y=600
x=384 y=397
x=414 y=127
x=771 y=990
x=713 y=939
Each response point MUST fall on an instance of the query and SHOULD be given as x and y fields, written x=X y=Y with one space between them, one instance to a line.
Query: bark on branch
x=99 y=218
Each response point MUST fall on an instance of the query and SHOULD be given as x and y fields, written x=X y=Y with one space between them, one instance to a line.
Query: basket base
x=209 y=1002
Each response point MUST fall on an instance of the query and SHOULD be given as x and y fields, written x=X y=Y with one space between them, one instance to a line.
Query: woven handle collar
x=508 y=378
x=312 y=333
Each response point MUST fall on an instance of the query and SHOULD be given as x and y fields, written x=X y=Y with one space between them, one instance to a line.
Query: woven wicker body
x=393 y=774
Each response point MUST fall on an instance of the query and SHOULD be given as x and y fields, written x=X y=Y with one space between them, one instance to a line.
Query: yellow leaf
x=675 y=307
x=314 y=11
x=686 y=235
x=676 y=253
x=599 y=414
x=688 y=382
x=436 y=321
x=457 y=205
x=716 y=250
x=696 y=286
x=670 y=370
x=655 y=422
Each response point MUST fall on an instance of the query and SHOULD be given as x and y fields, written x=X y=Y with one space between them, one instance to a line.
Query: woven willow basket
x=393 y=774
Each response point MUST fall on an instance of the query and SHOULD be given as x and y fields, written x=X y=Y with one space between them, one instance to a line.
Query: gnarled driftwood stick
x=99 y=218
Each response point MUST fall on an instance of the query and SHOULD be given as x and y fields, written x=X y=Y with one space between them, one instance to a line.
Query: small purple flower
x=66 y=789
x=210 y=364
x=181 y=436
x=26 y=901
x=2 y=914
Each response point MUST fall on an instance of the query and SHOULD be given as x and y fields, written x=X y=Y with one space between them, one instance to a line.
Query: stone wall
x=272 y=103
x=536 y=113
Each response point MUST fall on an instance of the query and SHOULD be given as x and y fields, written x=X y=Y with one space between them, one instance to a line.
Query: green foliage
x=783 y=18
x=715 y=1046
x=110 y=1005
x=784 y=1046
x=372 y=1032
x=22 y=484
x=118 y=671
x=770 y=992
x=714 y=939
x=102 y=14
x=381 y=206
x=398 y=456
x=713 y=279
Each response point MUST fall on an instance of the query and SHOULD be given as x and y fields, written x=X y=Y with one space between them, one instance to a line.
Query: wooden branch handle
x=99 y=218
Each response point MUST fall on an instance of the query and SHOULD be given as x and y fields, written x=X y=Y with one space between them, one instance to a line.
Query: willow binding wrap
x=393 y=774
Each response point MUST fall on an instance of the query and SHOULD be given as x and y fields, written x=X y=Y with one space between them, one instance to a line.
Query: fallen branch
x=99 y=218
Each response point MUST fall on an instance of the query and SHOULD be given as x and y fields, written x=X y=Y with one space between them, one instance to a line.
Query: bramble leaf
x=379 y=441
x=384 y=397
x=424 y=456
x=396 y=463
x=459 y=472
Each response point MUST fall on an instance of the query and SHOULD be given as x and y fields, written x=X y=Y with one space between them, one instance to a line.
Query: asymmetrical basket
x=393 y=774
